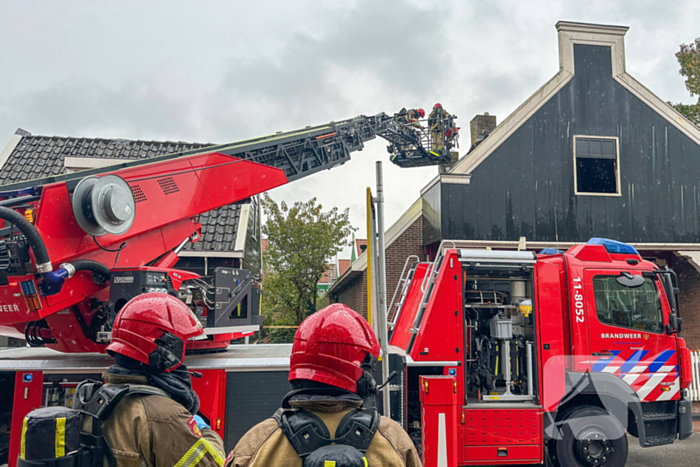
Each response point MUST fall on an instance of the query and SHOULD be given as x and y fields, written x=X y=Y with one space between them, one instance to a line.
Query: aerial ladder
x=76 y=247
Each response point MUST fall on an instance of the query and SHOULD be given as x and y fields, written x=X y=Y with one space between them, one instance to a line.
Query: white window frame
x=618 y=183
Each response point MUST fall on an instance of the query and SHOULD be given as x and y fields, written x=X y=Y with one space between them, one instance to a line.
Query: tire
x=590 y=437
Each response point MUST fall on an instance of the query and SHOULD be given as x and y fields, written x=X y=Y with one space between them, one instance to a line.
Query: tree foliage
x=689 y=60
x=300 y=240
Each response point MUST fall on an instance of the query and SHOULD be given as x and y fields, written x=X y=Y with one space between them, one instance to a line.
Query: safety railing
x=402 y=289
x=694 y=390
x=429 y=282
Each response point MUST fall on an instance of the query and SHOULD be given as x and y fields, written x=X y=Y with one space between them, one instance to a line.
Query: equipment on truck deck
x=115 y=232
x=508 y=357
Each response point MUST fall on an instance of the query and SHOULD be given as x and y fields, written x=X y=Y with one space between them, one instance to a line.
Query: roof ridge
x=26 y=134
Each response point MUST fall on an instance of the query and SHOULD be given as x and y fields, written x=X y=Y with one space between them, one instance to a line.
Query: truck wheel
x=591 y=437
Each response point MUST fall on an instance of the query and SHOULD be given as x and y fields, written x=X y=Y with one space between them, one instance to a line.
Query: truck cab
x=512 y=357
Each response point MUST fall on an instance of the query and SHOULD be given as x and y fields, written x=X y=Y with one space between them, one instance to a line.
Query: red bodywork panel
x=211 y=388
x=401 y=335
x=441 y=331
x=550 y=281
x=28 y=395
x=168 y=192
x=439 y=420
x=503 y=436
x=169 y=195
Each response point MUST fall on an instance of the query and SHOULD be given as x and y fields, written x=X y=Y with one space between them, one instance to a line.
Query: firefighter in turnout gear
x=323 y=420
x=410 y=117
x=436 y=122
x=411 y=127
x=148 y=344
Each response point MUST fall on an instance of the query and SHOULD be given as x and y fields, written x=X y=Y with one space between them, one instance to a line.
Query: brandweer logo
x=620 y=335
x=9 y=308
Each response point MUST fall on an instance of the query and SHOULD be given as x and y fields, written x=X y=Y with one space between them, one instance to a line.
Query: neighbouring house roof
x=29 y=157
x=343 y=265
x=360 y=246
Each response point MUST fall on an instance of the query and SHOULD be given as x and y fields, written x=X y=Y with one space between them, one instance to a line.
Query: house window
x=596 y=166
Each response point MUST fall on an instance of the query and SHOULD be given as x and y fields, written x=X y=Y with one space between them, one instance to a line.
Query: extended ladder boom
x=298 y=153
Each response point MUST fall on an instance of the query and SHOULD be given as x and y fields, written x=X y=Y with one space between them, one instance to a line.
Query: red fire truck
x=503 y=357
x=511 y=356
x=75 y=248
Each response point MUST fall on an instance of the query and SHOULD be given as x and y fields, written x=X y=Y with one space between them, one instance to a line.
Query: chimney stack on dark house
x=481 y=126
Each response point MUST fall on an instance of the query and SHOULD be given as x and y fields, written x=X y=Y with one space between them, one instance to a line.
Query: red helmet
x=332 y=346
x=152 y=329
x=421 y=112
x=438 y=105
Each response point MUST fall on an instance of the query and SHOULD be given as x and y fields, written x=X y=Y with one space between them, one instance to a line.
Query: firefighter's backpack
x=312 y=441
x=72 y=437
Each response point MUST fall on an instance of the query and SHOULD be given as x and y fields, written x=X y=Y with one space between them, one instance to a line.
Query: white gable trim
x=5 y=154
x=75 y=164
x=514 y=121
x=242 y=228
x=447 y=179
x=591 y=34
x=210 y=254
x=659 y=106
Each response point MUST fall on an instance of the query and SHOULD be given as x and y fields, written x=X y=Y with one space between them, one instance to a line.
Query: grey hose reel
x=103 y=205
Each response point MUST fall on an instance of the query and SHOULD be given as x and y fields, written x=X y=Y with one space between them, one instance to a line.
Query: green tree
x=689 y=60
x=300 y=240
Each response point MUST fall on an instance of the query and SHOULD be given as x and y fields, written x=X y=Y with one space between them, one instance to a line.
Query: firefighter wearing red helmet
x=437 y=123
x=149 y=336
x=410 y=117
x=324 y=420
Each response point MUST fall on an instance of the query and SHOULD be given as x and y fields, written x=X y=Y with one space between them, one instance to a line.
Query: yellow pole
x=369 y=256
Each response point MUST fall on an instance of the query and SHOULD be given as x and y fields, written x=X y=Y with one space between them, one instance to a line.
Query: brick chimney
x=481 y=126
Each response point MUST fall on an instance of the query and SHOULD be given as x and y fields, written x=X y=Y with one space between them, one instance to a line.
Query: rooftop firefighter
x=324 y=420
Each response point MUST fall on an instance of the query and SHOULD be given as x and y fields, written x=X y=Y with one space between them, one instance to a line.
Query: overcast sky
x=221 y=71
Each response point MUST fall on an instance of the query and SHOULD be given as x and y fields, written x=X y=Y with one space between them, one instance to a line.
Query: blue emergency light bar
x=613 y=246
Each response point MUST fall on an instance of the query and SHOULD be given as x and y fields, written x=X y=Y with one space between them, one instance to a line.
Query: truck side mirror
x=674 y=326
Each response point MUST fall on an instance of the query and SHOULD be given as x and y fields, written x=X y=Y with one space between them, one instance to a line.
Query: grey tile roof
x=42 y=156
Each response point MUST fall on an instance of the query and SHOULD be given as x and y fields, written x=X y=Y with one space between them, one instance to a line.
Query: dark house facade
x=595 y=159
x=593 y=153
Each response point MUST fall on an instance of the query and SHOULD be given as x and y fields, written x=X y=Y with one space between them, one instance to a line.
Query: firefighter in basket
x=331 y=368
x=145 y=413
x=441 y=130
x=411 y=127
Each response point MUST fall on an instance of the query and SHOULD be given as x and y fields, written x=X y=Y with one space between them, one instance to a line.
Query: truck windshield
x=635 y=308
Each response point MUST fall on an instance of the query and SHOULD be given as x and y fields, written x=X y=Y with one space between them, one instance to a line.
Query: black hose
x=33 y=238
x=89 y=265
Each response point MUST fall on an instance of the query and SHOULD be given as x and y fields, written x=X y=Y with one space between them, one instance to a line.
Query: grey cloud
x=391 y=47
x=134 y=110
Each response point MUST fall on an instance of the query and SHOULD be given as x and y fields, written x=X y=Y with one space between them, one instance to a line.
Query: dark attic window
x=597 y=166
